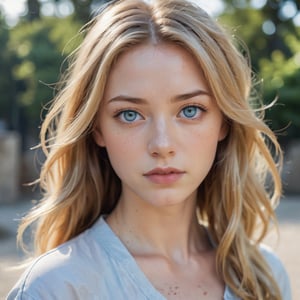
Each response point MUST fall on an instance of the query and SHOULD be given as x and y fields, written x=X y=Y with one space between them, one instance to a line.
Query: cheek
x=121 y=150
x=206 y=138
x=204 y=146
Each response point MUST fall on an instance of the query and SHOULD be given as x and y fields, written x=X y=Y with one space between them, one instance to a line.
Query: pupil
x=190 y=111
x=129 y=115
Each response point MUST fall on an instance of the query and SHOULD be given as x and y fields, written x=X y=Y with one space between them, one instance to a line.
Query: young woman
x=155 y=178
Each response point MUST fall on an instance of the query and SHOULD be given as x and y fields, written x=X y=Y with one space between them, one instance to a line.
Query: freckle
x=205 y=293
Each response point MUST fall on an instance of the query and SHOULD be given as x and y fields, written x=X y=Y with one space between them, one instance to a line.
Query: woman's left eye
x=191 y=112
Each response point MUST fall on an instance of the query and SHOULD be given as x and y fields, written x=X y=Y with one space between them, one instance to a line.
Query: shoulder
x=278 y=270
x=73 y=269
x=273 y=260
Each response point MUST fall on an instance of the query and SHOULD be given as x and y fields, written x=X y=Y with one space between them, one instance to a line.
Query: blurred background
x=36 y=36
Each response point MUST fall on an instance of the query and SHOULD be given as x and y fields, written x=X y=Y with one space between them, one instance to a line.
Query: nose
x=161 y=143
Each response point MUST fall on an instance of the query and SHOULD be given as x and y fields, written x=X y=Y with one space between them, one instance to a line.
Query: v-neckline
x=113 y=243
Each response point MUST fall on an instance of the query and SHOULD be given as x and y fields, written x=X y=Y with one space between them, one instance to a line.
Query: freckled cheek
x=206 y=135
x=203 y=143
x=120 y=146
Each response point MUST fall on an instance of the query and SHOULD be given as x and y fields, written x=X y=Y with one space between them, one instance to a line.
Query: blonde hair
x=240 y=190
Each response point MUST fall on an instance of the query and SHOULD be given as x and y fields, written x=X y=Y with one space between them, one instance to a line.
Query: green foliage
x=41 y=47
x=83 y=8
x=282 y=80
x=275 y=59
x=7 y=83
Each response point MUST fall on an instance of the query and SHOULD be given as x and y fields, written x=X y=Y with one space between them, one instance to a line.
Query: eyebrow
x=177 y=98
x=191 y=95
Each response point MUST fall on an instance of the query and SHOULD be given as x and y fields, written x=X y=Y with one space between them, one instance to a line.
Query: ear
x=223 y=130
x=98 y=137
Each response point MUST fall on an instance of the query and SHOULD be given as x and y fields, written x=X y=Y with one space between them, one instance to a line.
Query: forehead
x=149 y=54
x=156 y=65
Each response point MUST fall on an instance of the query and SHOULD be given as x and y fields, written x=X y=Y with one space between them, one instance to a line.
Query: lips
x=164 y=175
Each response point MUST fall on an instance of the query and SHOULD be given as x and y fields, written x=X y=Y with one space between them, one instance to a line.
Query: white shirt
x=96 y=265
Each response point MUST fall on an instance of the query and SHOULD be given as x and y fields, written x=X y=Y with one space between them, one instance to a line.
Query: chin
x=170 y=201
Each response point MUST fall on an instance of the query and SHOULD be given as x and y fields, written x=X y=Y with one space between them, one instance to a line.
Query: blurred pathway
x=287 y=247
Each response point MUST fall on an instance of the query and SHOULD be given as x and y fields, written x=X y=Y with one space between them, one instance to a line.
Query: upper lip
x=163 y=171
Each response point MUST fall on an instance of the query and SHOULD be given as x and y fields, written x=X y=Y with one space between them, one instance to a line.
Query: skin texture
x=161 y=129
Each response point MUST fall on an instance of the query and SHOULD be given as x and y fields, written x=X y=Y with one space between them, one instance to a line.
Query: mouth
x=164 y=171
x=164 y=175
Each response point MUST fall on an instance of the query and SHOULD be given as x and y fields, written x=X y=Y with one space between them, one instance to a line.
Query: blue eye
x=129 y=116
x=190 y=112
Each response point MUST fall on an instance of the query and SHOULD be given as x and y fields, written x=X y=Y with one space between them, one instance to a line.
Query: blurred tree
x=41 y=47
x=33 y=10
x=83 y=8
x=273 y=41
x=282 y=79
x=8 y=108
x=262 y=29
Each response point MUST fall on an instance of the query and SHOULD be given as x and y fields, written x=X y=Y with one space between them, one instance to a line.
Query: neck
x=170 y=231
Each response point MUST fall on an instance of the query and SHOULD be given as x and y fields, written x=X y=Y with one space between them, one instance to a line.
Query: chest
x=189 y=290
x=195 y=280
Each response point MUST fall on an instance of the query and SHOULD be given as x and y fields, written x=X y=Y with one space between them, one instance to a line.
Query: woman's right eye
x=129 y=116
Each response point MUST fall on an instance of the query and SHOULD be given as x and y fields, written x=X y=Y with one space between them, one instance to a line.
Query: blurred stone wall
x=9 y=166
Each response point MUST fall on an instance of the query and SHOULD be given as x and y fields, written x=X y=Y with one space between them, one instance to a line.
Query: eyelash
x=193 y=105
x=119 y=112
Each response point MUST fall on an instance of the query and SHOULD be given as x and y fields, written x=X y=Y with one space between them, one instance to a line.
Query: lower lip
x=164 y=178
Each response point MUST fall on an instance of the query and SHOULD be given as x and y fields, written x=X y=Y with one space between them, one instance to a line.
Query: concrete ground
x=287 y=247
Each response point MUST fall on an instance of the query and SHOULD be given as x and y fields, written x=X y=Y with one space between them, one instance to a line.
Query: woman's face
x=159 y=124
